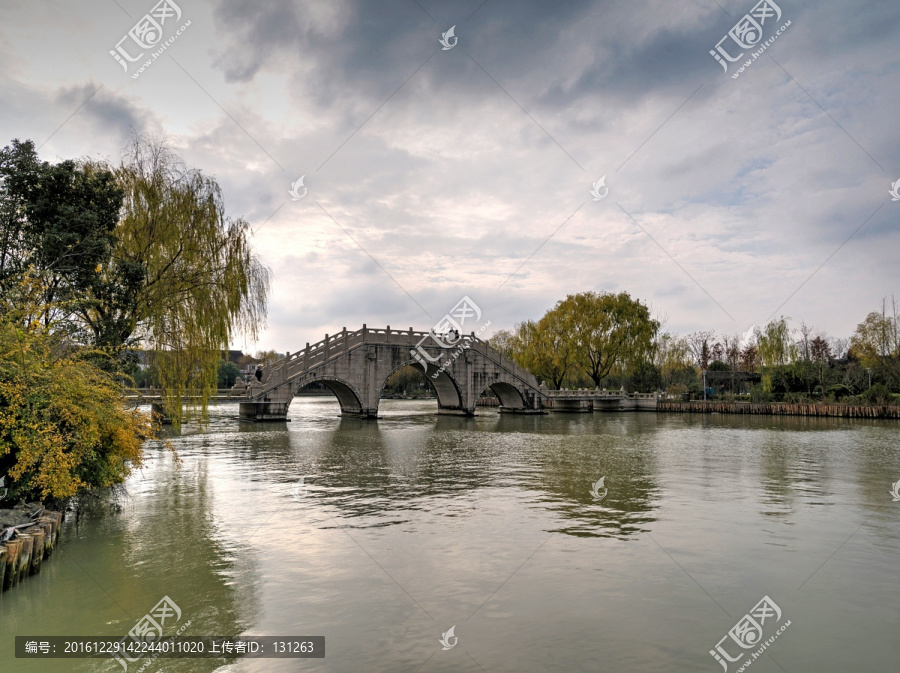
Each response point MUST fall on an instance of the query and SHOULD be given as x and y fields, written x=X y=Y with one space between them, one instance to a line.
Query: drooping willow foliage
x=97 y=262
x=190 y=283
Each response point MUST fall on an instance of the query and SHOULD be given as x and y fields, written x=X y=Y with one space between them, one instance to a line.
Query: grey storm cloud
x=107 y=111
x=467 y=171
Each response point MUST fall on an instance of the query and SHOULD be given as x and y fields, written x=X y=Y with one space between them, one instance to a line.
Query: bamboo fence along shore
x=780 y=409
x=28 y=535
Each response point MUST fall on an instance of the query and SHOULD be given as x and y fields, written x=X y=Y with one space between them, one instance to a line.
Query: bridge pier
x=367 y=414
x=264 y=411
x=455 y=412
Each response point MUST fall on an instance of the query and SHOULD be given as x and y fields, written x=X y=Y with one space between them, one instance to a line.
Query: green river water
x=405 y=527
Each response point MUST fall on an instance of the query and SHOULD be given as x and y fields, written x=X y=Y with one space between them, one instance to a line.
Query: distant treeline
x=610 y=341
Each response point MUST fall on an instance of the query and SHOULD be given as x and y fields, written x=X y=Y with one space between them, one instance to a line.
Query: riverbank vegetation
x=611 y=341
x=98 y=263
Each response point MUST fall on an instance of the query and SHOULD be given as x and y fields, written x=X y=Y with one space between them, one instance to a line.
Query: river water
x=405 y=527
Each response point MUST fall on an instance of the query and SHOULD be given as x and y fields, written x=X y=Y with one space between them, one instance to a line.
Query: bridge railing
x=504 y=362
x=593 y=393
x=330 y=347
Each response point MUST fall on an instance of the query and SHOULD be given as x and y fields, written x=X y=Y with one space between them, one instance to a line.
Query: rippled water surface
x=404 y=527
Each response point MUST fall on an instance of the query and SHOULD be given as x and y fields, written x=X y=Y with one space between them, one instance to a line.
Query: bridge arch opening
x=346 y=394
x=442 y=384
x=510 y=397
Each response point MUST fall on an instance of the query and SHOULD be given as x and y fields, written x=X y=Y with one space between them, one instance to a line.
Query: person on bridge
x=258 y=373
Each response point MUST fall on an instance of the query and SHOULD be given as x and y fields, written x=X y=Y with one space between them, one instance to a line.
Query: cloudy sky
x=435 y=173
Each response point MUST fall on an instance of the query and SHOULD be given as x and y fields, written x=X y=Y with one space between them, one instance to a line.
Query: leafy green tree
x=646 y=377
x=605 y=331
x=57 y=224
x=876 y=343
x=408 y=381
x=776 y=349
x=227 y=373
x=877 y=394
x=672 y=354
x=876 y=339
x=775 y=345
x=267 y=357
x=543 y=347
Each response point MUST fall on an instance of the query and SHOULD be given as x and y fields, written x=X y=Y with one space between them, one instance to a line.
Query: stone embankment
x=28 y=535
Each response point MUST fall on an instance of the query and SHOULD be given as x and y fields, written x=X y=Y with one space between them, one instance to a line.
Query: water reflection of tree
x=794 y=460
x=568 y=470
x=174 y=546
x=876 y=471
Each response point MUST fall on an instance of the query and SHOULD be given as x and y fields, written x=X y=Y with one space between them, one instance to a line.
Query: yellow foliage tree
x=64 y=426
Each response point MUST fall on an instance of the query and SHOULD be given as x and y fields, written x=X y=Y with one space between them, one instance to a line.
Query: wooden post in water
x=46 y=523
x=13 y=549
x=2 y=566
x=56 y=526
x=37 y=551
x=25 y=555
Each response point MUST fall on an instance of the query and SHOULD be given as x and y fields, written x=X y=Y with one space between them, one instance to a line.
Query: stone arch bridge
x=356 y=365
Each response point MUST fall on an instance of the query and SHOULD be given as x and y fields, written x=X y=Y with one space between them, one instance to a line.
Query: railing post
x=387 y=334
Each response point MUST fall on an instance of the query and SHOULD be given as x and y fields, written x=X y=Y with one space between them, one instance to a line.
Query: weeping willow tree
x=182 y=281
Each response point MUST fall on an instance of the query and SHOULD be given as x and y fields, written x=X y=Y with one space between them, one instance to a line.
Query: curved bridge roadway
x=355 y=366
